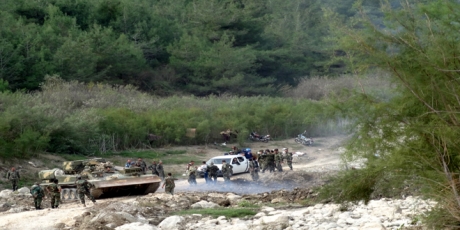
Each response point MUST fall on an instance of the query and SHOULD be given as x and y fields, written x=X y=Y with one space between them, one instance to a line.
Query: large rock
x=137 y=226
x=171 y=223
x=372 y=226
x=24 y=190
x=280 y=219
x=204 y=204
x=117 y=218
x=6 y=193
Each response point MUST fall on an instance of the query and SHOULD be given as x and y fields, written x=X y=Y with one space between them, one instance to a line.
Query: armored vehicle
x=108 y=180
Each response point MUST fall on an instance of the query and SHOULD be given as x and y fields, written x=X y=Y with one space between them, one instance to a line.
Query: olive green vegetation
x=200 y=47
x=411 y=141
x=216 y=212
x=92 y=119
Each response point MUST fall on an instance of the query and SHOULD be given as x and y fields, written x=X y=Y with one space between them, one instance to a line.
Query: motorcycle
x=303 y=139
x=256 y=137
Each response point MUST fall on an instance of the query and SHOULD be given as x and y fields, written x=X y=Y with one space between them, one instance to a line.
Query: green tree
x=411 y=140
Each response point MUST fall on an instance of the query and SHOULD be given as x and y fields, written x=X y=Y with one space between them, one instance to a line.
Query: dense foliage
x=410 y=142
x=200 y=47
x=72 y=117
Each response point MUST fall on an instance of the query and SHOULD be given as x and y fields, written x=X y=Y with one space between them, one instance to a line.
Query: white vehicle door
x=244 y=164
x=237 y=166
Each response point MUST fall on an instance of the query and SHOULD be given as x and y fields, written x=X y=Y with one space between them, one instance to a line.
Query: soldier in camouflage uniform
x=253 y=169
x=212 y=169
x=288 y=157
x=227 y=171
x=192 y=175
x=271 y=162
x=278 y=161
x=169 y=183
x=153 y=167
x=14 y=177
x=83 y=188
x=38 y=194
x=160 y=170
x=141 y=164
x=55 y=193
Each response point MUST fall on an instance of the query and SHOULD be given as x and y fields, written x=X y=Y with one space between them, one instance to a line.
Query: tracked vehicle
x=108 y=180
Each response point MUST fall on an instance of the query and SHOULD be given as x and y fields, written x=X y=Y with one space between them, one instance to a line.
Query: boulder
x=137 y=226
x=24 y=190
x=372 y=226
x=171 y=223
x=6 y=193
x=278 y=200
x=204 y=204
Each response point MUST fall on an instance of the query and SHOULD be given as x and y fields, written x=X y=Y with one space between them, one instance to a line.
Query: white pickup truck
x=240 y=163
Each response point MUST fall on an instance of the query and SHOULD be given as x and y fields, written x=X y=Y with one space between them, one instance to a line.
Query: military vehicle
x=108 y=180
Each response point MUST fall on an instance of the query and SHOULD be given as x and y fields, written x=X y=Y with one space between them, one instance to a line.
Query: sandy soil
x=324 y=155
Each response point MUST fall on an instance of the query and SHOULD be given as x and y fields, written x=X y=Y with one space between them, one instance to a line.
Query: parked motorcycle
x=253 y=136
x=303 y=139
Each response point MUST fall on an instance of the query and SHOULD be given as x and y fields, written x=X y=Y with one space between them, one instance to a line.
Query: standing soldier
x=153 y=167
x=212 y=169
x=169 y=182
x=227 y=171
x=204 y=168
x=14 y=177
x=288 y=157
x=38 y=194
x=187 y=171
x=278 y=161
x=160 y=171
x=192 y=175
x=270 y=161
x=55 y=193
x=253 y=169
x=83 y=188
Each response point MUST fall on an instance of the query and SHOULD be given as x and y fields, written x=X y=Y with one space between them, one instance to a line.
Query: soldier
x=161 y=172
x=169 y=182
x=141 y=164
x=278 y=161
x=38 y=194
x=153 y=167
x=55 y=193
x=253 y=167
x=271 y=161
x=262 y=160
x=212 y=169
x=83 y=188
x=227 y=171
x=192 y=175
x=235 y=150
x=14 y=177
x=288 y=157
x=187 y=172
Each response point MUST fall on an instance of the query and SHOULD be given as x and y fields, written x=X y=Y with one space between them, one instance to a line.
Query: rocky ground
x=282 y=200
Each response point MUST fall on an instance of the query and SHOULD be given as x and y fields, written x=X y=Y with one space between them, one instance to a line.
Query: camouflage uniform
x=153 y=167
x=227 y=171
x=160 y=171
x=169 y=185
x=270 y=162
x=141 y=164
x=253 y=169
x=83 y=188
x=13 y=176
x=55 y=193
x=192 y=176
x=212 y=169
x=38 y=194
x=278 y=160
x=288 y=158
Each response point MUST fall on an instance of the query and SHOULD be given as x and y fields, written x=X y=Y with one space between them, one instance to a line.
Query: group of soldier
x=272 y=160
x=156 y=168
x=53 y=190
